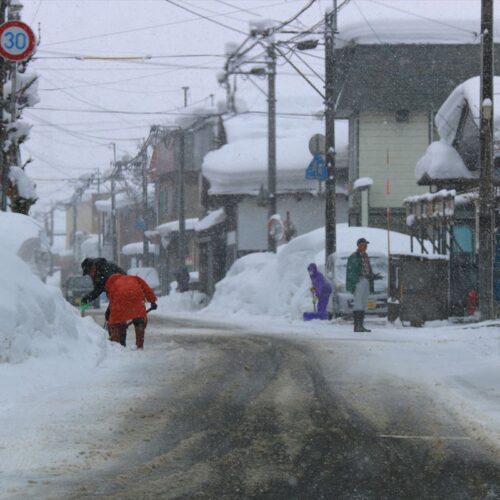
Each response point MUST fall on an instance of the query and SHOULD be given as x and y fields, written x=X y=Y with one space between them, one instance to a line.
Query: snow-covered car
x=342 y=300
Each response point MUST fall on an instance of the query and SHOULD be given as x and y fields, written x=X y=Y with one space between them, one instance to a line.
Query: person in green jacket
x=358 y=278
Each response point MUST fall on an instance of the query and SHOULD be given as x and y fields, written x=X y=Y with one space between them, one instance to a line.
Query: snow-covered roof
x=443 y=193
x=170 y=227
x=240 y=166
x=122 y=200
x=211 y=219
x=441 y=161
x=466 y=94
x=398 y=30
x=136 y=248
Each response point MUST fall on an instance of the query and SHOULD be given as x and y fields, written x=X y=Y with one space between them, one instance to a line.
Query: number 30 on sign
x=17 y=41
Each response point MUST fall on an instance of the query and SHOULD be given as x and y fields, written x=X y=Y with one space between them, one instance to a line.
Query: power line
x=146 y=28
x=62 y=55
x=249 y=11
x=207 y=18
x=367 y=22
x=436 y=21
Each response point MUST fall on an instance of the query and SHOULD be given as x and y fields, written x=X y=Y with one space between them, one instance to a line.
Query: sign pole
x=17 y=42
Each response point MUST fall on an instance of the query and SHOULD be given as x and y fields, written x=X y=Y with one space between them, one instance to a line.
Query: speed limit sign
x=17 y=41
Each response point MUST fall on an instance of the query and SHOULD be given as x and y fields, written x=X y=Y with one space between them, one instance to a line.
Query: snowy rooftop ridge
x=240 y=167
x=401 y=30
x=136 y=248
x=468 y=93
x=170 y=227
x=213 y=218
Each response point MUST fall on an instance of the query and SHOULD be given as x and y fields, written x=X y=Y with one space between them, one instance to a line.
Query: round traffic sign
x=17 y=41
x=317 y=144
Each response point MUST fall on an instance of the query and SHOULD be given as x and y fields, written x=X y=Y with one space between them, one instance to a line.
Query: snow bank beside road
x=278 y=285
x=36 y=321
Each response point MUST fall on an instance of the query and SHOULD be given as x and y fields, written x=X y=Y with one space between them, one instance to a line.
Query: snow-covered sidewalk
x=61 y=417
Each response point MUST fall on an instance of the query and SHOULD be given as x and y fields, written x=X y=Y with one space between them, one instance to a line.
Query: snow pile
x=35 y=320
x=181 y=302
x=277 y=285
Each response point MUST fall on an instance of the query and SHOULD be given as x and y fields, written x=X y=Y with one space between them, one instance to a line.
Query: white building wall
x=390 y=150
x=306 y=212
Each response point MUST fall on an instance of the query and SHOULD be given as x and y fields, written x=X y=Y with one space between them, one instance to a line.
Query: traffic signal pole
x=330 y=197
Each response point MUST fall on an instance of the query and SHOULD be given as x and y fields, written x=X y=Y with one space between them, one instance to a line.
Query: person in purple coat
x=321 y=287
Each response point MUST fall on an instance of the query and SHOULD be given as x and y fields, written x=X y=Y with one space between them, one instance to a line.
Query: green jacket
x=353 y=274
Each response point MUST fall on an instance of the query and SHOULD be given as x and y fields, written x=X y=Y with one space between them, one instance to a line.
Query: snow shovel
x=83 y=307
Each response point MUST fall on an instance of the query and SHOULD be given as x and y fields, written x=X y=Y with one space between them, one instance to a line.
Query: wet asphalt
x=259 y=419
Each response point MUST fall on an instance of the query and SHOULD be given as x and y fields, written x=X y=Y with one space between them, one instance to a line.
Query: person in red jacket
x=127 y=295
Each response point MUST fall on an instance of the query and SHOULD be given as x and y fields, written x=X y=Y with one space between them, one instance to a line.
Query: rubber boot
x=140 y=330
x=361 y=321
x=357 y=321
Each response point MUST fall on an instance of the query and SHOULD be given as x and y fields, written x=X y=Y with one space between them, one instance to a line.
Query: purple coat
x=319 y=282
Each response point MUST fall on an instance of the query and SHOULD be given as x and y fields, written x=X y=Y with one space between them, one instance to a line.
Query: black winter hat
x=362 y=240
x=86 y=265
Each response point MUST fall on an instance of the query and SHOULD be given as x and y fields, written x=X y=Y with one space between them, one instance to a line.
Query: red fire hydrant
x=471 y=302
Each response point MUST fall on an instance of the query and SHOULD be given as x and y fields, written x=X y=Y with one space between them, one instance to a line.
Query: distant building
x=391 y=78
x=237 y=176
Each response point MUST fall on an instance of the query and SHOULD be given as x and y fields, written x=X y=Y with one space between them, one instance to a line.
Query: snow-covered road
x=73 y=424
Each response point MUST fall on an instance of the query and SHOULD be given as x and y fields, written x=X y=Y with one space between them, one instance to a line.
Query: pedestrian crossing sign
x=316 y=170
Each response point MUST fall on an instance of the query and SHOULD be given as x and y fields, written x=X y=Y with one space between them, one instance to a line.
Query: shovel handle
x=131 y=321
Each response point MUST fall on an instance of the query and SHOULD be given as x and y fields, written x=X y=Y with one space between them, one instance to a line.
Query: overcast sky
x=88 y=104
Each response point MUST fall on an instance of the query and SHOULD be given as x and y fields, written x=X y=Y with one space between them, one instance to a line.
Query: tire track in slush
x=259 y=421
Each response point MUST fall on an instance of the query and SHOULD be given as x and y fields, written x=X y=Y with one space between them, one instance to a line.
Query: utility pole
x=145 y=242
x=3 y=160
x=330 y=196
x=182 y=209
x=486 y=177
x=185 y=89
x=114 y=243
x=99 y=218
x=271 y=140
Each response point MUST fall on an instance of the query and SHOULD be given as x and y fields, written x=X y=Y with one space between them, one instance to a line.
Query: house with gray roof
x=391 y=78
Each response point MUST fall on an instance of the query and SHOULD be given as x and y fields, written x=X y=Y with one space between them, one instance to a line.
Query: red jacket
x=127 y=295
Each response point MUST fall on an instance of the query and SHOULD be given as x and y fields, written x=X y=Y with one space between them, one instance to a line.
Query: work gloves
x=154 y=306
